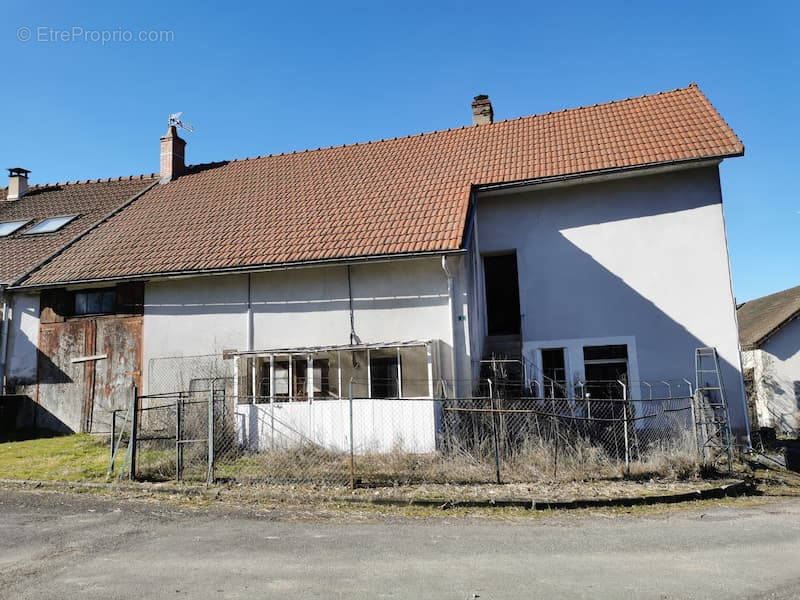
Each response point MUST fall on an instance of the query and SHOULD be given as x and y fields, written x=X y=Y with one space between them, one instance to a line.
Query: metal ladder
x=712 y=421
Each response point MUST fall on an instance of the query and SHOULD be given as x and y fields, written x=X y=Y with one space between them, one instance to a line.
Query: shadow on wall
x=582 y=298
x=28 y=414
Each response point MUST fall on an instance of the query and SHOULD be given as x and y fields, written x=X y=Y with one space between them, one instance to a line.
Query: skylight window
x=50 y=224
x=10 y=227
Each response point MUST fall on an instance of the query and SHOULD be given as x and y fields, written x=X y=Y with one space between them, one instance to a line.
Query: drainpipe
x=249 y=314
x=4 y=345
x=450 y=303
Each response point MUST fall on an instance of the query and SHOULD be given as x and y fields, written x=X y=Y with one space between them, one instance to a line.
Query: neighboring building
x=568 y=240
x=37 y=222
x=769 y=332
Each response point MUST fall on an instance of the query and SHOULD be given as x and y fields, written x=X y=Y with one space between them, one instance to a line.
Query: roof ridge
x=452 y=129
x=778 y=293
x=139 y=177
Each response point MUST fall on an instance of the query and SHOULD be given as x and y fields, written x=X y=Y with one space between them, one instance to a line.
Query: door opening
x=502 y=294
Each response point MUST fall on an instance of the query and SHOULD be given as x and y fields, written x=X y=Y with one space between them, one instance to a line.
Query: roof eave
x=178 y=274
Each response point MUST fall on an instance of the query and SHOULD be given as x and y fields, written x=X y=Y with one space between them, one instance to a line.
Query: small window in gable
x=10 y=227
x=50 y=224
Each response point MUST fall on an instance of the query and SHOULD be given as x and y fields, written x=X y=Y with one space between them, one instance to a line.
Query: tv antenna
x=175 y=119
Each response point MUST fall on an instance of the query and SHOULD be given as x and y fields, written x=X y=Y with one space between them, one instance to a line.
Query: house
x=36 y=222
x=566 y=242
x=769 y=332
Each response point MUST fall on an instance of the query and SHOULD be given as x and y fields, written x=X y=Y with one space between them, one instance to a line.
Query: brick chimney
x=172 y=149
x=482 y=112
x=17 y=183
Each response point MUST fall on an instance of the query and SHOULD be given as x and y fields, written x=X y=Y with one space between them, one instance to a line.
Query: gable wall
x=641 y=260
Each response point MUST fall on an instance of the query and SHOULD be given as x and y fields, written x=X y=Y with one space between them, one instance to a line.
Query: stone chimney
x=482 y=112
x=17 y=183
x=172 y=149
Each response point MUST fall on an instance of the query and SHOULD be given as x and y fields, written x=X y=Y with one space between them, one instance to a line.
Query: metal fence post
x=210 y=479
x=113 y=440
x=494 y=433
x=134 y=434
x=625 y=427
x=178 y=434
x=352 y=445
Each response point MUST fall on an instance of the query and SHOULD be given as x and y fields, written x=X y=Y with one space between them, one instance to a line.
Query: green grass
x=78 y=457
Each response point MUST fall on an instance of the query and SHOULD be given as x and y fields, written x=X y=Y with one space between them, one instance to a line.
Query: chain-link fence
x=362 y=441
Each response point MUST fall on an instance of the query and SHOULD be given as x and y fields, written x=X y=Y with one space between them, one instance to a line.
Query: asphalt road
x=66 y=545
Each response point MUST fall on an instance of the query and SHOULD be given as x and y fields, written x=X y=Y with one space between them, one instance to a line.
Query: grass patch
x=78 y=457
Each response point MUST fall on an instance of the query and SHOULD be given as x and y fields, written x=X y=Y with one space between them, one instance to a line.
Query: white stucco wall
x=776 y=373
x=402 y=300
x=23 y=337
x=643 y=258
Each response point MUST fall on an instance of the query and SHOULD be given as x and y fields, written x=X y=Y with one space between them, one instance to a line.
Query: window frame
x=69 y=219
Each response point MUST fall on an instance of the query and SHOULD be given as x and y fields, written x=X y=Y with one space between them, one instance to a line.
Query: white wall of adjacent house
x=640 y=261
x=23 y=338
x=776 y=375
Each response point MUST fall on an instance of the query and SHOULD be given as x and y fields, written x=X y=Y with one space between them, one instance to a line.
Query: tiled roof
x=403 y=195
x=760 y=318
x=91 y=200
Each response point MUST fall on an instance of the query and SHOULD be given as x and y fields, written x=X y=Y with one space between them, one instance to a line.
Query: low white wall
x=643 y=257
x=776 y=373
x=378 y=425
x=402 y=300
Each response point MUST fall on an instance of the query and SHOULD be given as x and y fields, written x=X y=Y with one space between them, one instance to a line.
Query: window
x=605 y=367
x=325 y=375
x=50 y=224
x=384 y=373
x=10 y=227
x=414 y=372
x=554 y=374
x=95 y=302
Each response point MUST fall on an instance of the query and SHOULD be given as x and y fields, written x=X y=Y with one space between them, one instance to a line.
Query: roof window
x=10 y=227
x=50 y=224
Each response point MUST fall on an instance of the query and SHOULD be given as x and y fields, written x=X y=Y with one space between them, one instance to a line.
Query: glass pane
x=354 y=366
x=326 y=375
x=414 y=371
x=50 y=224
x=299 y=377
x=245 y=380
x=80 y=303
x=10 y=227
x=262 y=379
x=107 y=305
x=93 y=302
x=282 y=377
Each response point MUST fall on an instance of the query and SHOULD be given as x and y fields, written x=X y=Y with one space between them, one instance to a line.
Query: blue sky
x=259 y=78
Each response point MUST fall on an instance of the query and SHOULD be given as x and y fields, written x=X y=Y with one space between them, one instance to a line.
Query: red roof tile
x=90 y=200
x=395 y=196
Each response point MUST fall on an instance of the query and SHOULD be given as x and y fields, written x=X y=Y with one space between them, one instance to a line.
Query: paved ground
x=67 y=545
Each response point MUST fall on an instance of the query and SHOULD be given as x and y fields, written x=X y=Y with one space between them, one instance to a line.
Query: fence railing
x=212 y=436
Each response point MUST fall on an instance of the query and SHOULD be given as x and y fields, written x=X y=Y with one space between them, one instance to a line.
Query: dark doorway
x=502 y=294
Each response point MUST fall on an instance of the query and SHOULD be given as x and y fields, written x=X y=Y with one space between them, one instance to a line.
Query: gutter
x=265 y=267
x=450 y=303
x=4 y=342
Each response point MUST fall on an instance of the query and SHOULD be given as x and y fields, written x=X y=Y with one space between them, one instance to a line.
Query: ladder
x=712 y=421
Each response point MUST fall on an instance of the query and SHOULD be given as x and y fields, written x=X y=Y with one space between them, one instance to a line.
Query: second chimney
x=482 y=113
x=172 y=152
x=17 y=183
